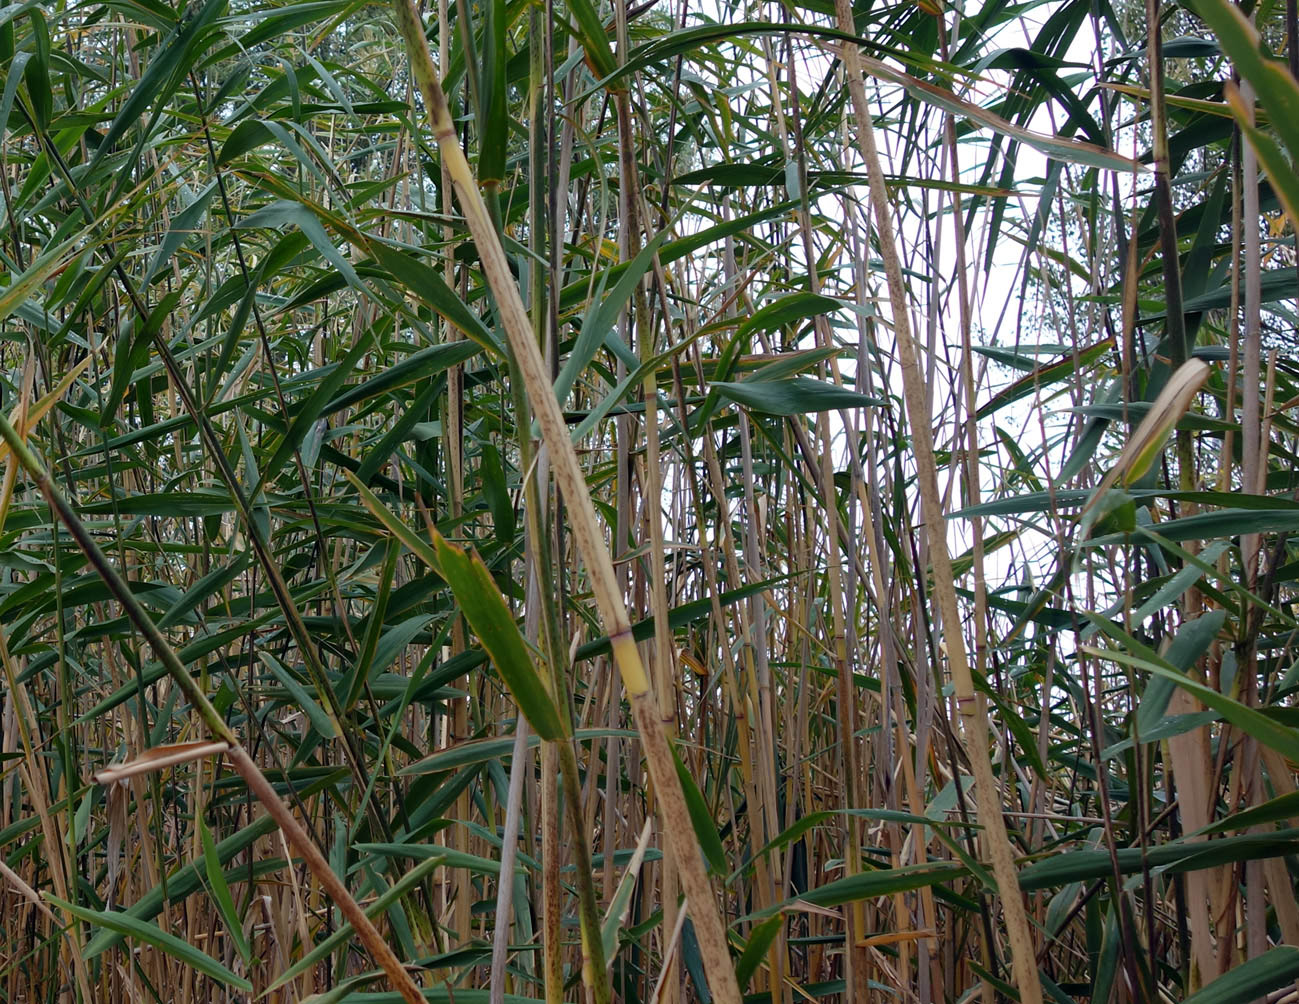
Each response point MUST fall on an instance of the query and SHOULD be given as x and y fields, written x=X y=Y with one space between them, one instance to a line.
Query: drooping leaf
x=484 y=608
x=141 y=930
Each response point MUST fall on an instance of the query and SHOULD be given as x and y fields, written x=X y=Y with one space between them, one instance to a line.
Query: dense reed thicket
x=557 y=500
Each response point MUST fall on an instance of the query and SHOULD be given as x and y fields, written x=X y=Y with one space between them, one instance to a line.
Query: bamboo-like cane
x=975 y=727
x=585 y=528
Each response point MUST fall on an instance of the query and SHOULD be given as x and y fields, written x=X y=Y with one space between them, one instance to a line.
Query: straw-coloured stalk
x=585 y=528
x=973 y=711
x=688 y=223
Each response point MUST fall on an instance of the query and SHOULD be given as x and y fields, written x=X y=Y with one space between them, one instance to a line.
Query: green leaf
x=593 y=36
x=870 y=885
x=347 y=992
x=163 y=75
x=484 y=608
x=1283 y=807
x=320 y=721
x=702 y=819
x=1278 y=91
x=494 y=131
x=370 y=643
x=150 y=934
x=1280 y=171
x=215 y=580
x=216 y=883
x=1249 y=720
x=183 y=226
x=1253 y=978
x=284 y=213
x=497 y=493
x=1223 y=523
x=1192 y=640
x=667 y=46
x=447 y=857
x=761 y=938
x=394 y=641
x=795 y=396
x=21 y=288
x=427 y=283
x=1275 y=284
x=615 y=914
x=788 y=309
x=1044 y=376
x=246 y=137
x=480 y=751
x=679 y=616
x=417 y=366
x=413 y=542
x=1180 y=856
x=598 y=323
x=307 y=412
x=187 y=880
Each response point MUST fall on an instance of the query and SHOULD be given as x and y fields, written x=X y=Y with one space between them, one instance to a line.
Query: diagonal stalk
x=973 y=711
x=586 y=530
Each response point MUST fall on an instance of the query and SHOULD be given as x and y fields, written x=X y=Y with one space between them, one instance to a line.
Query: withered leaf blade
x=161 y=757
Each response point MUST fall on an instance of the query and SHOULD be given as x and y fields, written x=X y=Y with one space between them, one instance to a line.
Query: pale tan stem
x=973 y=712
x=551 y=892
x=585 y=528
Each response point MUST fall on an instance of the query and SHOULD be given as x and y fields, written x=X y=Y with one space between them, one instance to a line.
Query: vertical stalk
x=551 y=892
x=1175 y=320
x=585 y=527
x=520 y=762
x=455 y=462
x=1253 y=480
x=973 y=711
